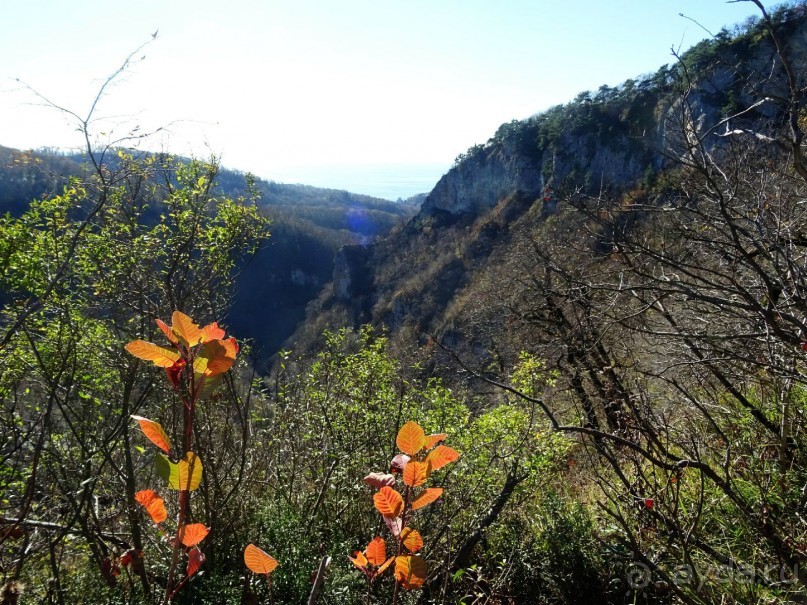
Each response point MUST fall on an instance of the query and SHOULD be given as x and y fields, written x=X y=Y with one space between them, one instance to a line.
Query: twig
x=323 y=566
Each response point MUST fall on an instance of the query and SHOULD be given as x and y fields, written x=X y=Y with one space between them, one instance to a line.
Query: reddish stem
x=189 y=409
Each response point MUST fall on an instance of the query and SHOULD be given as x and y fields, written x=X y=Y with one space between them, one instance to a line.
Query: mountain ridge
x=606 y=142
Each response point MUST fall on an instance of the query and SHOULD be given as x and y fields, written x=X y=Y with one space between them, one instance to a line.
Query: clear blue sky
x=275 y=87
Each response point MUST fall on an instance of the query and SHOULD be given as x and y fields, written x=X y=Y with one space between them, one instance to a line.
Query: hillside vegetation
x=287 y=271
x=597 y=321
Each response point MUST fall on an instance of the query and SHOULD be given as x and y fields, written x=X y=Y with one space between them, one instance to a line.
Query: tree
x=676 y=315
x=134 y=238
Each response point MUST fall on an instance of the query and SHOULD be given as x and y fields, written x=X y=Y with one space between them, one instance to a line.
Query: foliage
x=194 y=366
x=84 y=270
x=420 y=456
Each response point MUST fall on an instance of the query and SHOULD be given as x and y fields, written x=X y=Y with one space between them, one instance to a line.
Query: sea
x=386 y=181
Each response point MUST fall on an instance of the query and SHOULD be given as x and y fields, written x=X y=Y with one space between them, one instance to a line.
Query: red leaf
x=175 y=371
x=649 y=503
x=132 y=557
x=110 y=570
x=379 y=480
x=399 y=463
x=195 y=559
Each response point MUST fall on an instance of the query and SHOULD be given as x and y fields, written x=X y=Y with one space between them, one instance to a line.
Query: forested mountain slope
x=309 y=225
x=614 y=144
x=593 y=390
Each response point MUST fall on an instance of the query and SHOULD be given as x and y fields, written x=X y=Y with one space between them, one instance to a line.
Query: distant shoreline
x=386 y=181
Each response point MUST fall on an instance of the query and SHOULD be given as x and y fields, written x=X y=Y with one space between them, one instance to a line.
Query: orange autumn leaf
x=258 y=561
x=415 y=473
x=212 y=332
x=432 y=440
x=194 y=533
x=159 y=356
x=411 y=438
x=410 y=571
x=185 y=329
x=412 y=539
x=359 y=560
x=145 y=496
x=377 y=551
x=216 y=357
x=154 y=432
x=440 y=456
x=166 y=329
x=154 y=505
x=429 y=495
x=388 y=502
x=383 y=567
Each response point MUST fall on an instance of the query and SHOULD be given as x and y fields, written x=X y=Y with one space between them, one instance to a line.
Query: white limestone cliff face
x=480 y=181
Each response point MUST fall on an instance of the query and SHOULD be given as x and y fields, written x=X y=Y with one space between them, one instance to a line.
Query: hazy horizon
x=281 y=89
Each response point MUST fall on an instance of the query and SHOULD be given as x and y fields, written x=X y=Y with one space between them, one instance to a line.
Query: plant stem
x=189 y=408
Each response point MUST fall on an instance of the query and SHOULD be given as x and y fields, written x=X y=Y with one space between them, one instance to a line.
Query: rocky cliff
x=425 y=276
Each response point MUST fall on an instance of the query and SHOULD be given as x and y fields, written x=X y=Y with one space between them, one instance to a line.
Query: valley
x=572 y=372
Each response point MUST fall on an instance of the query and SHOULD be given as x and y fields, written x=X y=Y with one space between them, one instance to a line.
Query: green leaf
x=185 y=474
x=167 y=470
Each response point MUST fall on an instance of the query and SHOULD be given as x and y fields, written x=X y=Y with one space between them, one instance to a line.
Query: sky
x=308 y=90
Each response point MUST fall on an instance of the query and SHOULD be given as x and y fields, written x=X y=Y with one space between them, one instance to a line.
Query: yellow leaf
x=216 y=357
x=359 y=560
x=412 y=539
x=383 y=567
x=190 y=472
x=167 y=331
